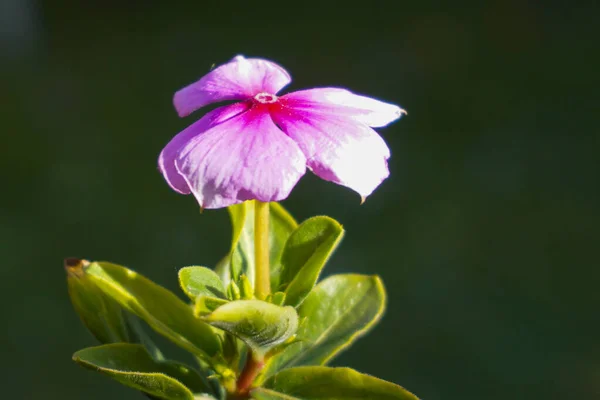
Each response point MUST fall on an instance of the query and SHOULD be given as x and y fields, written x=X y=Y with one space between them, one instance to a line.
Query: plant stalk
x=262 y=281
x=249 y=373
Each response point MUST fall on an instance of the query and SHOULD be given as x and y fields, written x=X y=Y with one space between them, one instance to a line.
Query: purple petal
x=241 y=78
x=166 y=159
x=342 y=102
x=338 y=149
x=246 y=157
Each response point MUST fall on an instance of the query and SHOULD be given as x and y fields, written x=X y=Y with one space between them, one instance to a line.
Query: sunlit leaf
x=159 y=308
x=326 y=383
x=241 y=260
x=132 y=365
x=200 y=281
x=268 y=394
x=103 y=316
x=259 y=324
x=206 y=304
x=338 y=311
x=305 y=254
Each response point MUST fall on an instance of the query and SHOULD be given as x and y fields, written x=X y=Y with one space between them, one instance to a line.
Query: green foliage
x=305 y=254
x=301 y=325
x=206 y=304
x=223 y=269
x=103 y=316
x=338 y=311
x=325 y=383
x=281 y=226
x=241 y=257
x=233 y=290
x=141 y=336
x=132 y=365
x=278 y=298
x=245 y=288
x=268 y=394
x=158 y=307
x=259 y=324
x=200 y=281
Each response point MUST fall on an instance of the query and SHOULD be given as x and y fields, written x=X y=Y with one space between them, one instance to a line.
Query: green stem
x=262 y=281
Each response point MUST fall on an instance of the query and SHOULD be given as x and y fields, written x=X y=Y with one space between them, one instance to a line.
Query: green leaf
x=281 y=225
x=223 y=270
x=206 y=304
x=268 y=394
x=326 y=383
x=278 y=298
x=132 y=365
x=103 y=317
x=233 y=290
x=159 y=308
x=142 y=337
x=245 y=288
x=200 y=281
x=338 y=311
x=241 y=256
x=241 y=260
x=259 y=324
x=305 y=254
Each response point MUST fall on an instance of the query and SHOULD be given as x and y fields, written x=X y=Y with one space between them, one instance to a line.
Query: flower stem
x=262 y=281
x=249 y=373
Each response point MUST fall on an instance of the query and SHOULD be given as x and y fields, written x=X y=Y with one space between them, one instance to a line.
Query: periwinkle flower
x=259 y=147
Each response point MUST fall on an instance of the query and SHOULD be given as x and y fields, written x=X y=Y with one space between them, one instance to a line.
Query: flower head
x=259 y=147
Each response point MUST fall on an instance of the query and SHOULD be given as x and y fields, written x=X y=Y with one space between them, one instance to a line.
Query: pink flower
x=259 y=147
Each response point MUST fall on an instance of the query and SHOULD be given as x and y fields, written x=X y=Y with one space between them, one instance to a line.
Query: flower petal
x=338 y=149
x=342 y=102
x=241 y=78
x=166 y=159
x=246 y=157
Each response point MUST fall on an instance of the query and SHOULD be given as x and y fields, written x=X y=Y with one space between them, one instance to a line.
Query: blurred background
x=485 y=234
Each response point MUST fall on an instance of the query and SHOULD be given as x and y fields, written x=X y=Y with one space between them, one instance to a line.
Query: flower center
x=265 y=98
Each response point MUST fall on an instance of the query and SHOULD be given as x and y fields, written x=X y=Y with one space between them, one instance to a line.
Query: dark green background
x=485 y=233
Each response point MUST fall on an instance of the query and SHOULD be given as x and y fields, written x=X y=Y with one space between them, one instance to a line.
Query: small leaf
x=278 y=298
x=241 y=260
x=326 y=383
x=338 y=311
x=246 y=288
x=200 y=281
x=233 y=290
x=305 y=254
x=206 y=304
x=259 y=324
x=131 y=365
x=159 y=308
